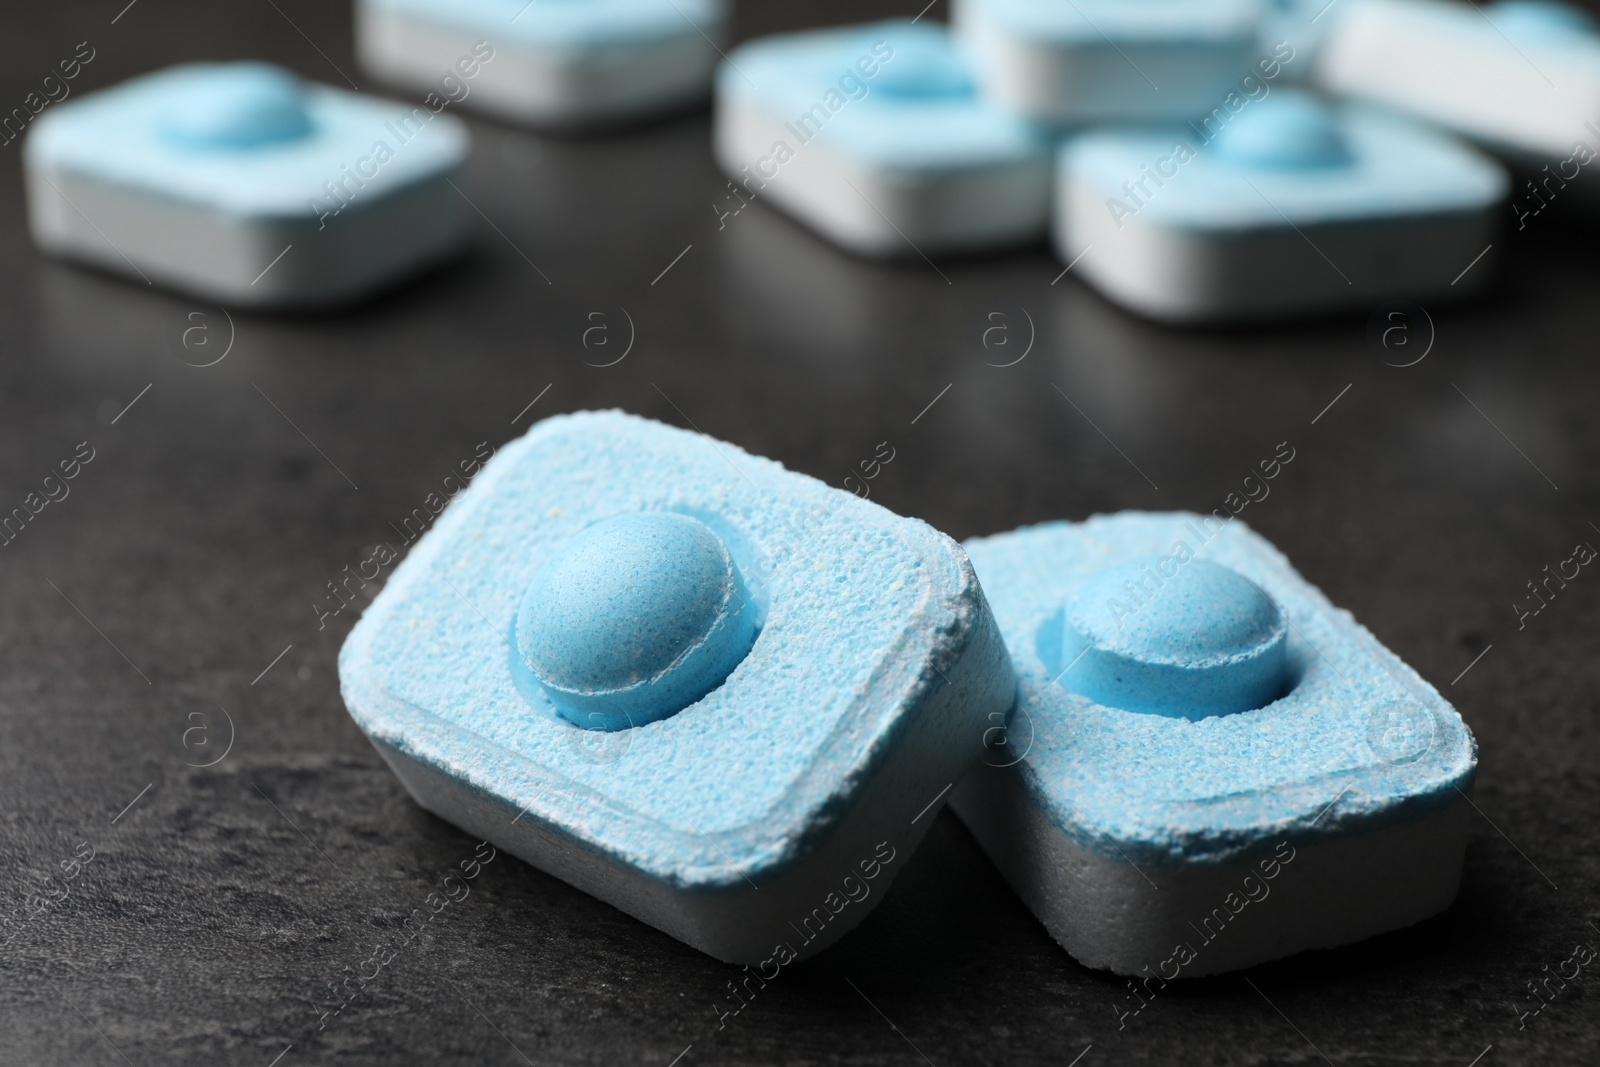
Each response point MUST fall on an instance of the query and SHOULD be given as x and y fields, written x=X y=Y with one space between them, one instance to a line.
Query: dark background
x=221 y=904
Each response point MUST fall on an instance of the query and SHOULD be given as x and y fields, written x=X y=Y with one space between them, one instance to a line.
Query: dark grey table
x=163 y=610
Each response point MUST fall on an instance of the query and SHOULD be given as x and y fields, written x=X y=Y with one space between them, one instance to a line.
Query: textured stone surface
x=217 y=909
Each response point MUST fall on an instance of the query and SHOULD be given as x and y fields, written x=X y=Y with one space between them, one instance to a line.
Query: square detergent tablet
x=1069 y=63
x=1287 y=206
x=1520 y=77
x=1210 y=765
x=875 y=137
x=558 y=63
x=240 y=183
x=716 y=694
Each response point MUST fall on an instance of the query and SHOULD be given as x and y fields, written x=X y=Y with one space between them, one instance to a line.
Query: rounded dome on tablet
x=922 y=64
x=1288 y=131
x=240 y=105
x=634 y=619
x=1189 y=639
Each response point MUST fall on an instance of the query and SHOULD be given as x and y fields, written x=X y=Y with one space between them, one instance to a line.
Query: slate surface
x=177 y=580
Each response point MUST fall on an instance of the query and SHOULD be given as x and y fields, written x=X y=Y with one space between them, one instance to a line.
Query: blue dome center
x=1166 y=636
x=925 y=64
x=241 y=105
x=1288 y=130
x=634 y=619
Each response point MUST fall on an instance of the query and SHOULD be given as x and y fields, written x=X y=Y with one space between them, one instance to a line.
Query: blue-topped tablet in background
x=1287 y=205
x=875 y=136
x=1520 y=77
x=719 y=695
x=552 y=63
x=1213 y=766
x=1068 y=64
x=241 y=183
